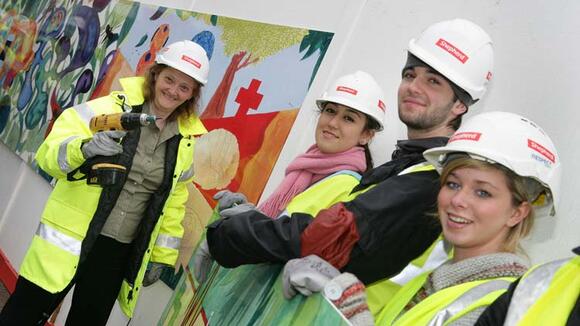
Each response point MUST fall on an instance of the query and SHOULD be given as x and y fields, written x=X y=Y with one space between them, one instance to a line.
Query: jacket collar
x=417 y=146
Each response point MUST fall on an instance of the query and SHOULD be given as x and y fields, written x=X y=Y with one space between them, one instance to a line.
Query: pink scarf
x=307 y=169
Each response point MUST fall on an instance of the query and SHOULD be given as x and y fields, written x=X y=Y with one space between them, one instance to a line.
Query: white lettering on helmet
x=542 y=150
x=191 y=60
x=473 y=136
x=346 y=90
x=453 y=50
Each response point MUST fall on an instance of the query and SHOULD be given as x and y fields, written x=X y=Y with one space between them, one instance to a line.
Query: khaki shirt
x=144 y=178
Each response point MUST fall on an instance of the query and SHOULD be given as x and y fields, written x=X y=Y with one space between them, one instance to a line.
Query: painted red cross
x=249 y=98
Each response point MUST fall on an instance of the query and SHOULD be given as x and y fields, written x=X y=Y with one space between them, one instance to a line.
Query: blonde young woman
x=495 y=170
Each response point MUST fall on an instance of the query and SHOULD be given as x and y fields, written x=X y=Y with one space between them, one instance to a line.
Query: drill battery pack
x=105 y=174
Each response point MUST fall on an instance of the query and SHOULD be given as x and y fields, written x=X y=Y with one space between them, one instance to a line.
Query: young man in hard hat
x=387 y=223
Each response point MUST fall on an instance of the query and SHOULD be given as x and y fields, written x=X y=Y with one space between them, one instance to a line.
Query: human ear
x=520 y=212
x=459 y=108
x=366 y=137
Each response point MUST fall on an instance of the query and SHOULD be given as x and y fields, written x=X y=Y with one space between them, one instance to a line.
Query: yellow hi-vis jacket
x=75 y=212
x=442 y=307
x=324 y=193
x=546 y=294
x=379 y=293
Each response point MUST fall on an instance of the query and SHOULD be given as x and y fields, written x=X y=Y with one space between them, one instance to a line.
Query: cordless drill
x=106 y=173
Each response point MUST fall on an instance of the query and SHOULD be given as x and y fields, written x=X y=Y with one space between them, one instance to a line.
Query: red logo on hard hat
x=542 y=150
x=473 y=136
x=382 y=106
x=452 y=49
x=346 y=90
x=191 y=60
x=488 y=77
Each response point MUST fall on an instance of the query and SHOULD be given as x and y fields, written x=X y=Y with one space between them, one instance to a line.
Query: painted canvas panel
x=58 y=53
x=54 y=54
x=246 y=295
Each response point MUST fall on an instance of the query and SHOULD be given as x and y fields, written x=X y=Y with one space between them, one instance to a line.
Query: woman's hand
x=104 y=143
x=227 y=199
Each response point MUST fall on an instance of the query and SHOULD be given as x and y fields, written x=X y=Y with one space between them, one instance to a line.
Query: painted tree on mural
x=247 y=44
x=315 y=41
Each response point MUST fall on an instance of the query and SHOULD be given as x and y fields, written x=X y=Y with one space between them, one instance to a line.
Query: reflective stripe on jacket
x=75 y=212
x=546 y=294
x=444 y=306
x=323 y=194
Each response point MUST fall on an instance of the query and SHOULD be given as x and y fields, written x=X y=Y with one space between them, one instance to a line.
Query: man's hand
x=227 y=199
x=103 y=143
x=306 y=275
x=202 y=262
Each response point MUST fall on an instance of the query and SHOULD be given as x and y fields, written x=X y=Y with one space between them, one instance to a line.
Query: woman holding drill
x=102 y=238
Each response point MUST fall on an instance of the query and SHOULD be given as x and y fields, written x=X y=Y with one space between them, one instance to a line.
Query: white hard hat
x=359 y=91
x=459 y=50
x=187 y=57
x=512 y=141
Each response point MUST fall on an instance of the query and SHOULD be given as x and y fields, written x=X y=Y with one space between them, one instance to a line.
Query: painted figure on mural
x=102 y=238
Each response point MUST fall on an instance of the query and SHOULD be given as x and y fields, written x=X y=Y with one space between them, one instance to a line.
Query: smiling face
x=172 y=88
x=476 y=210
x=426 y=102
x=340 y=128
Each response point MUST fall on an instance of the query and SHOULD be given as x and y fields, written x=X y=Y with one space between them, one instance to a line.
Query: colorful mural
x=58 y=53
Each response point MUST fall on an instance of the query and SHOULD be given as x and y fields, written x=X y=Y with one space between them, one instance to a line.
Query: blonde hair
x=517 y=186
x=187 y=108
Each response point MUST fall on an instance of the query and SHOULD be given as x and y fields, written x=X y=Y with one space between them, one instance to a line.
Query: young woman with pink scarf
x=351 y=111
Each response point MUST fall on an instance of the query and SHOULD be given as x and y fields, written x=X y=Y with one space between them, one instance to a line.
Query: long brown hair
x=517 y=186
x=187 y=108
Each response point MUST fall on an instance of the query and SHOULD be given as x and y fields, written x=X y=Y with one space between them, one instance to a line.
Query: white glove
x=227 y=199
x=306 y=275
x=202 y=262
x=104 y=143
x=153 y=274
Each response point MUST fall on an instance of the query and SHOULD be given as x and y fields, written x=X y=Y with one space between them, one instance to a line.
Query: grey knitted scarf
x=474 y=269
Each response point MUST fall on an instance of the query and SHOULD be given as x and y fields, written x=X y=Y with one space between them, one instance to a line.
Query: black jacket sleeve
x=252 y=237
x=397 y=222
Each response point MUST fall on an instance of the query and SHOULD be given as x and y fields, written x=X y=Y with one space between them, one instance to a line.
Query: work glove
x=227 y=199
x=306 y=275
x=103 y=143
x=153 y=273
x=237 y=209
x=202 y=262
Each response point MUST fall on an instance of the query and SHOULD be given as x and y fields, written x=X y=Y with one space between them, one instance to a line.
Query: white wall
x=536 y=44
